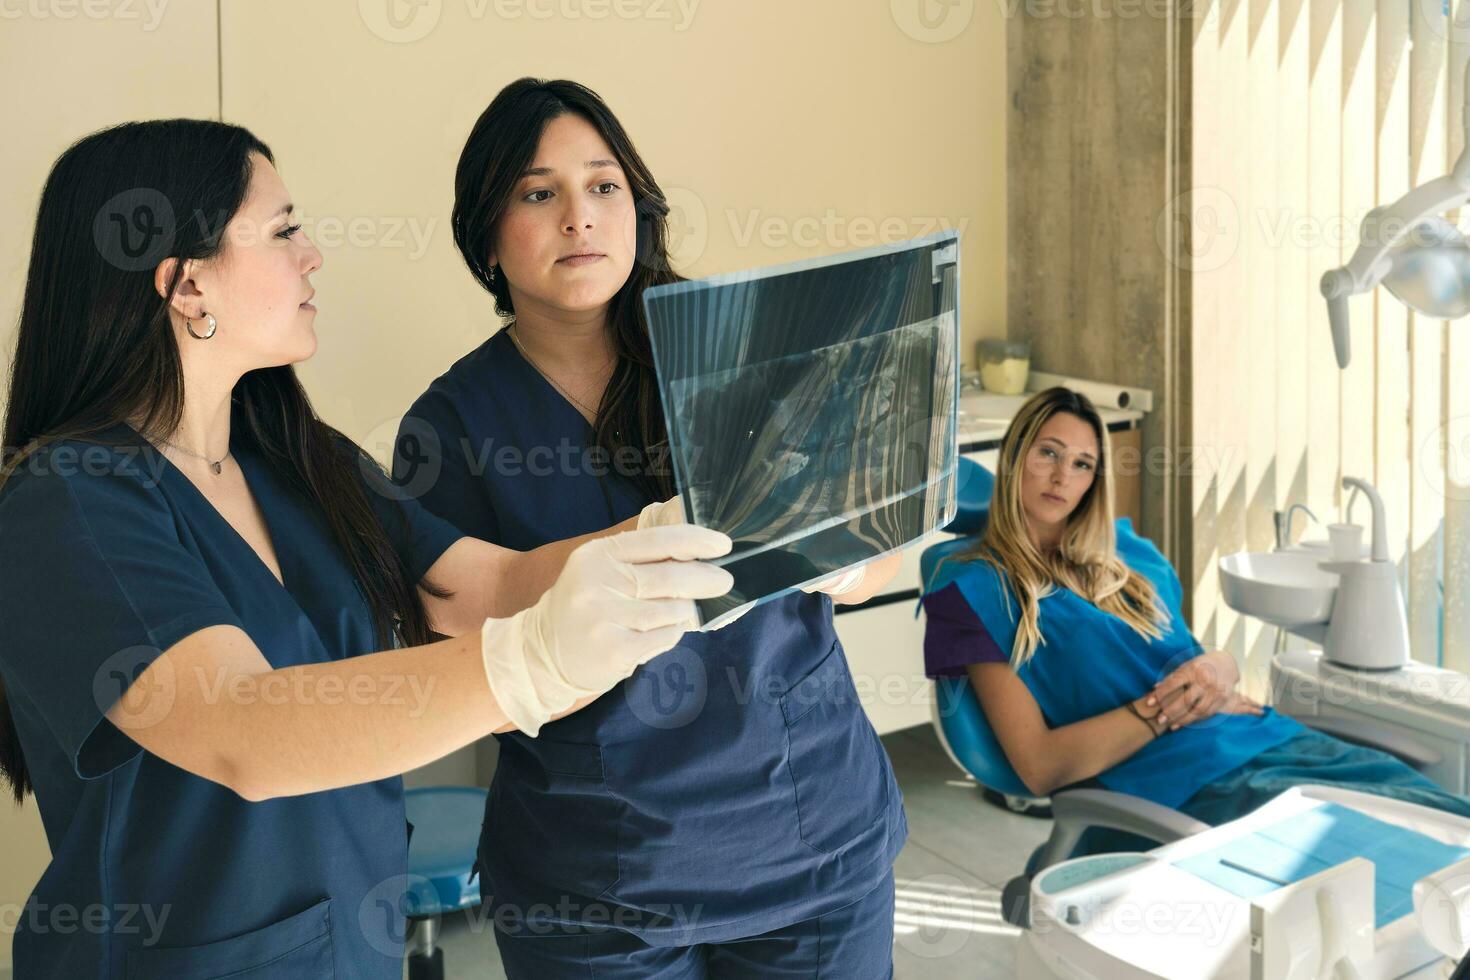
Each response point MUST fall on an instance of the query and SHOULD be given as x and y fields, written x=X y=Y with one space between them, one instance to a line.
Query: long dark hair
x=95 y=345
x=501 y=146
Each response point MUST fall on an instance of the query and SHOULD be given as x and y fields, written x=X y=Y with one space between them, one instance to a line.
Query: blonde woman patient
x=1067 y=625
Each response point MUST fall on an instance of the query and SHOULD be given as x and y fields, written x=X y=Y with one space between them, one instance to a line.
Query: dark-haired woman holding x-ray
x=218 y=611
x=729 y=812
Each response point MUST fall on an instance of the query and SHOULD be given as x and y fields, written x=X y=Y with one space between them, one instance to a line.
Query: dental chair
x=441 y=868
x=970 y=743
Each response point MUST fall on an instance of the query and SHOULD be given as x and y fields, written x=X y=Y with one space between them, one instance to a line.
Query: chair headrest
x=976 y=485
x=959 y=717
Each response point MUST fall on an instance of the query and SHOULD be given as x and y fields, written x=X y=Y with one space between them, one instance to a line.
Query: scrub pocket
x=553 y=818
x=835 y=758
x=298 y=947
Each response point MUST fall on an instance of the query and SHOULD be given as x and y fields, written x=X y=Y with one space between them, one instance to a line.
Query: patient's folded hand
x=1197 y=690
x=1239 y=704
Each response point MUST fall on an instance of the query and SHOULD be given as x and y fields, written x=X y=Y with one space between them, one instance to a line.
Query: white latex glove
x=665 y=513
x=839 y=584
x=669 y=513
x=619 y=602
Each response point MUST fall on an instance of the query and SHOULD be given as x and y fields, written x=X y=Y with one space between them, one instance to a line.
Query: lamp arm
x=1370 y=262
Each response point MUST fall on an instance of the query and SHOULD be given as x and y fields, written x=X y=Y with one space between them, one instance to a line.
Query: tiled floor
x=960 y=852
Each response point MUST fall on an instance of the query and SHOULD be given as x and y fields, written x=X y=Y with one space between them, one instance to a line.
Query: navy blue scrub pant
x=850 y=943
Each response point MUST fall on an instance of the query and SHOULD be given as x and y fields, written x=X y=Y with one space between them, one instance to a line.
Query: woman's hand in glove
x=665 y=513
x=670 y=513
x=619 y=602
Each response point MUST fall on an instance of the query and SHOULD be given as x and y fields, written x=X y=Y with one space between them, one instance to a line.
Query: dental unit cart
x=1319 y=882
x=1354 y=672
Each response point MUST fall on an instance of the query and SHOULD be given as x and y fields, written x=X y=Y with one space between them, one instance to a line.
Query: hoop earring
x=213 y=326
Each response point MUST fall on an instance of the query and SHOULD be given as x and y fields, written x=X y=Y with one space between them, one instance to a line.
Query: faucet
x=1380 y=522
x=1369 y=627
x=1283 y=523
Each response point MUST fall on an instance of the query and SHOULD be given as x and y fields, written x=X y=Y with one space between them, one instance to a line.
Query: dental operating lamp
x=1421 y=258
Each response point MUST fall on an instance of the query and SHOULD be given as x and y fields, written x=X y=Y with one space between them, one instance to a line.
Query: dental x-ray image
x=811 y=408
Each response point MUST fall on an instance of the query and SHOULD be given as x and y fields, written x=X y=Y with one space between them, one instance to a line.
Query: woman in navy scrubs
x=195 y=572
x=730 y=812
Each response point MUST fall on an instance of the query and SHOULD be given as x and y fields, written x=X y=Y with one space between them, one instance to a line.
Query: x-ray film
x=811 y=408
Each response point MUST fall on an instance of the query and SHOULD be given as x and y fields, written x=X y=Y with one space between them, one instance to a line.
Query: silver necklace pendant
x=217 y=465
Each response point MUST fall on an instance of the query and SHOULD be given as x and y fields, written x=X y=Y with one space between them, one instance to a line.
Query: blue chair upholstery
x=441 y=858
x=960 y=723
x=446 y=834
x=976 y=485
x=970 y=739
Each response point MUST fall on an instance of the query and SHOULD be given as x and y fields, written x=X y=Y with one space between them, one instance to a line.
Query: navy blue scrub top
x=732 y=786
x=109 y=555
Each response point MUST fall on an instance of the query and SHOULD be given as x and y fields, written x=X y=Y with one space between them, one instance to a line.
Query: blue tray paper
x=1298 y=847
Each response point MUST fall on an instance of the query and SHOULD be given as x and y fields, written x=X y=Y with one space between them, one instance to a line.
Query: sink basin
x=1283 y=588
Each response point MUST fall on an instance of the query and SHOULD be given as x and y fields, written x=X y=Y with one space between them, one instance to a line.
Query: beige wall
x=779 y=130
